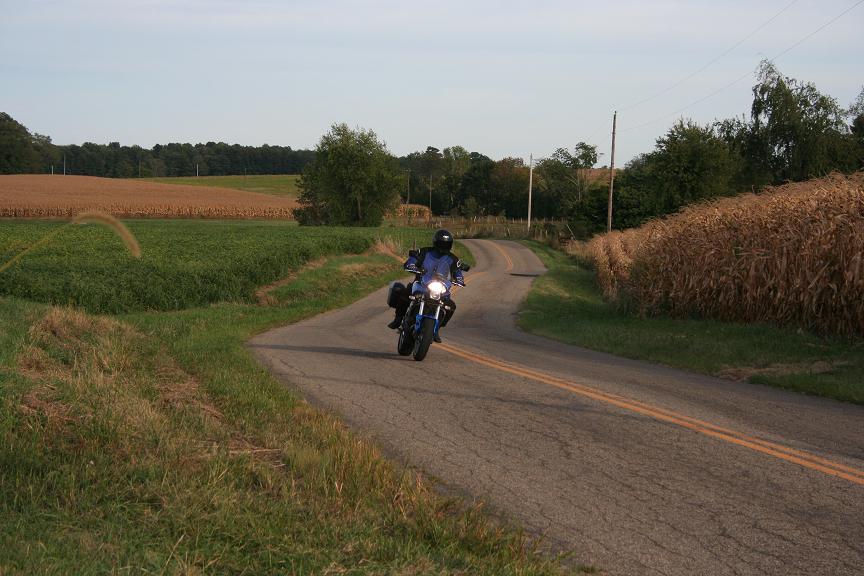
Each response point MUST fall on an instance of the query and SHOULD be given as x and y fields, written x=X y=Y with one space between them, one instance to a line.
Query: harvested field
x=791 y=255
x=44 y=196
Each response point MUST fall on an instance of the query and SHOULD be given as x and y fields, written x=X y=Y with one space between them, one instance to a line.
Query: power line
x=740 y=78
x=711 y=62
x=807 y=37
x=694 y=103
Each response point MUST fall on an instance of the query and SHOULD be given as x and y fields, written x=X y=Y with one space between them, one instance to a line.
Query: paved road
x=637 y=469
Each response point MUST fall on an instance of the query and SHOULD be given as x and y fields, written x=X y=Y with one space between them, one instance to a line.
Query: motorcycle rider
x=438 y=257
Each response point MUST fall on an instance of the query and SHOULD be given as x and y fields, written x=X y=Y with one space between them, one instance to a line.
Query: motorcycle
x=426 y=310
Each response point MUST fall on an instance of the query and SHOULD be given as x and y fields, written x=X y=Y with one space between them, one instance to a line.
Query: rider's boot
x=437 y=336
x=395 y=323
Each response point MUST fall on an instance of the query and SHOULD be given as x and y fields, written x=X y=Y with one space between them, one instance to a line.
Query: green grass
x=566 y=305
x=183 y=264
x=275 y=185
x=154 y=442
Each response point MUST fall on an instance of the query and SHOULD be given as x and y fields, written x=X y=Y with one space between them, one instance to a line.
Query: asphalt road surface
x=635 y=468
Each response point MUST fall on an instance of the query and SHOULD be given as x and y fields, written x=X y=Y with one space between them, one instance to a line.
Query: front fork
x=419 y=318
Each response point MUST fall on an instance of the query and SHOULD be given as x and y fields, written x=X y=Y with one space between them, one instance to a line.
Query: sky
x=502 y=78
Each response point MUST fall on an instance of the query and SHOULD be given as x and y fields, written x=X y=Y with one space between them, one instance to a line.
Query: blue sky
x=503 y=78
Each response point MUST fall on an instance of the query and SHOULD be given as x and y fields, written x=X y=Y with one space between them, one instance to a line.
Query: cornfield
x=41 y=196
x=791 y=255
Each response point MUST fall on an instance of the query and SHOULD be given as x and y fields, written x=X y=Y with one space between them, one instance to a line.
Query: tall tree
x=796 y=131
x=353 y=180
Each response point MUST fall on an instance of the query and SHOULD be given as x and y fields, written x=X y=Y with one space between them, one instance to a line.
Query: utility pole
x=530 y=186
x=611 y=174
x=430 y=195
x=64 y=164
x=196 y=170
x=408 y=195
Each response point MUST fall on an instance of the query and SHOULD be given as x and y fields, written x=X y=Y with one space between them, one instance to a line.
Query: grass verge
x=566 y=305
x=153 y=442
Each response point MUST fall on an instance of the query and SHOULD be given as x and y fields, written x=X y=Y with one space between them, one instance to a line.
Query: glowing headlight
x=436 y=289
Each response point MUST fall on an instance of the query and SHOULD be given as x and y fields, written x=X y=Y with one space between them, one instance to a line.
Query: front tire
x=406 y=340
x=424 y=340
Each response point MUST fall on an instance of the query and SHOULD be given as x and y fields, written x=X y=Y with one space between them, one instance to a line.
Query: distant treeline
x=25 y=153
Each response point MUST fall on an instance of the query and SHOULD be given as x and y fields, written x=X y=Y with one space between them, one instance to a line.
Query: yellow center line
x=801 y=458
x=506 y=257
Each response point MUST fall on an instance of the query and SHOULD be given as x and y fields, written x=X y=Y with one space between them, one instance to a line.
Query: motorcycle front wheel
x=406 y=340
x=424 y=339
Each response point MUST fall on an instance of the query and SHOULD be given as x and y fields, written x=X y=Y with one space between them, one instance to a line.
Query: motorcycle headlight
x=436 y=289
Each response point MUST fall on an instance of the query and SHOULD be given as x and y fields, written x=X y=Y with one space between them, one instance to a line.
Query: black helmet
x=442 y=241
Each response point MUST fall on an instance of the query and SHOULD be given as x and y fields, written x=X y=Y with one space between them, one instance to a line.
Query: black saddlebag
x=397 y=292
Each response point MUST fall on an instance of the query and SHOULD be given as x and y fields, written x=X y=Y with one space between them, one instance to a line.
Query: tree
x=475 y=196
x=353 y=180
x=796 y=131
x=689 y=163
x=18 y=152
x=692 y=164
x=855 y=113
x=509 y=179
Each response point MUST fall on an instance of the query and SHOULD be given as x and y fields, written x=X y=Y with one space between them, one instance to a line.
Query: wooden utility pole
x=430 y=196
x=611 y=174
x=530 y=186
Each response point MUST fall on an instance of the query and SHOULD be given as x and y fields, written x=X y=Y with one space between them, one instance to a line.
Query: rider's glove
x=460 y=283
x=412 y=268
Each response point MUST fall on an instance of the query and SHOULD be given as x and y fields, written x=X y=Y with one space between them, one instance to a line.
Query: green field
x=276 y=185
x=183 y=263
x=566 y=304
x=152 y=441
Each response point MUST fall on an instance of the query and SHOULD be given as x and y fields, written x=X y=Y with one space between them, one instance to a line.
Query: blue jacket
x=444 y=264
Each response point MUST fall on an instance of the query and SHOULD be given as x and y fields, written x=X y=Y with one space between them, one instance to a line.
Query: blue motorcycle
x=425 y=312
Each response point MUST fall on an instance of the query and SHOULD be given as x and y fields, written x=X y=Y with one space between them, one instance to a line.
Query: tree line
x=24 y=153
x=793 y=133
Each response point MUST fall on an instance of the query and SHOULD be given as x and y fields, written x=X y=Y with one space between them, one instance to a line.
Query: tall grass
x=792 y=255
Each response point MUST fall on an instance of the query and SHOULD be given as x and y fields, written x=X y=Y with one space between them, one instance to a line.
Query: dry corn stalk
x=792 y=255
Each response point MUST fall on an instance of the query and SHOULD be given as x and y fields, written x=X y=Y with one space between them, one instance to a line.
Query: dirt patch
x=744 y=373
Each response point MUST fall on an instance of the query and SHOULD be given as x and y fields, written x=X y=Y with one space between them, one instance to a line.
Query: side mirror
x=464 y=266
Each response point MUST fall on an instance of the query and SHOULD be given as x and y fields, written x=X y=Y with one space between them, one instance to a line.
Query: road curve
x=635 y=468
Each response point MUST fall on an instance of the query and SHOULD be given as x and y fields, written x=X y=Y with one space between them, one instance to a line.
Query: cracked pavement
x=621 y=490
